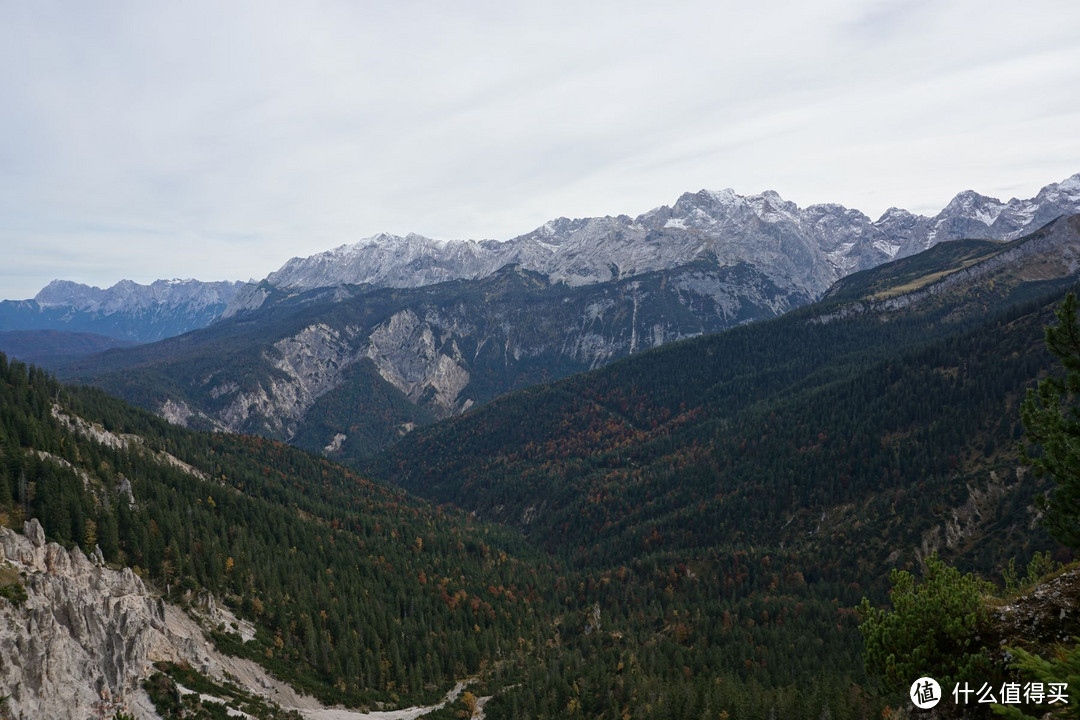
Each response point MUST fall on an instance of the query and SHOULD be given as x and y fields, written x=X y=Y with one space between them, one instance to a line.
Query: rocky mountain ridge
x=125 y=311
x=318 y=367
x=127 y=295
x=800 y=249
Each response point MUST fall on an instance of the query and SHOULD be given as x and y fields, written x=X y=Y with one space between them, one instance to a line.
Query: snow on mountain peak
x=772 y=208
x=726 y=196
x=718 y=224
x=894 y=214
x=1070 y=186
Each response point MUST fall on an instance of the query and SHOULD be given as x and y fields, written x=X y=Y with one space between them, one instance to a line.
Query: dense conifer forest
x=361 y=593
x=768 y=478
x=685 y=533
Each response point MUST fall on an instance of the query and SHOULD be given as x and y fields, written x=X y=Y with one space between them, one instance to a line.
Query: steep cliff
x=368 y=364
x=77 y=638
x=85 y=636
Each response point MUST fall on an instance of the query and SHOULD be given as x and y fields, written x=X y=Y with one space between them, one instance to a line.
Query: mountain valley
x=347 y=351
x=637 y=497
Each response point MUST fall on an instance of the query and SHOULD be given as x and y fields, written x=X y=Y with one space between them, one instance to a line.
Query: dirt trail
x=405 y=714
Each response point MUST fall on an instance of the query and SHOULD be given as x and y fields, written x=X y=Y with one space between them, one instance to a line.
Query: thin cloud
x=217 y=140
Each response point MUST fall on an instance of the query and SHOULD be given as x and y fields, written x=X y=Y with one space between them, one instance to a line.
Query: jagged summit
x=802 y=248
x=1070 y=187
x=386 y=260
x=127 y=294
x=125 y=311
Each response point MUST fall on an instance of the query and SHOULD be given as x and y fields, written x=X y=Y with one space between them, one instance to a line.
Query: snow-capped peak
x=810 y=246
x=1069 y=187
x=726 y=196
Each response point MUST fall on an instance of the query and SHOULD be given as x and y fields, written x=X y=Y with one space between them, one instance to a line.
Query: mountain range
x=801 y=251
x=683 y=532
x=345 y=352
x=126 y=311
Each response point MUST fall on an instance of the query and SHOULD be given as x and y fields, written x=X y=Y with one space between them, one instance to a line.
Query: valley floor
x=58 y=640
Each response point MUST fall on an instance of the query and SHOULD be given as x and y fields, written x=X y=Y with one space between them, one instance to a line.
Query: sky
x=216 y=140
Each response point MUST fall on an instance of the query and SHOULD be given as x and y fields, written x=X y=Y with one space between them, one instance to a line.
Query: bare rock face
x=419 y=356
x=34 y=533
x=308 y=365
x=1045 y=615
x=83 y=638
x=86 y=636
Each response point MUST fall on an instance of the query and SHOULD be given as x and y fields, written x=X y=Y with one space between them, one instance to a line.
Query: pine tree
x=1051 y=417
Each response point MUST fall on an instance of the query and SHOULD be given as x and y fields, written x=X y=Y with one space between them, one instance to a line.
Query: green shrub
x=11 y=586
x=1063 y=667
x=933 y=629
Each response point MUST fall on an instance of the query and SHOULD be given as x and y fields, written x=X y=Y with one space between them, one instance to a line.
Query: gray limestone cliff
x=85 y=636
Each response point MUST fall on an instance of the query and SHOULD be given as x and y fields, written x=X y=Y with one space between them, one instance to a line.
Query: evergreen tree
x=1051 y=417
x=933 y=628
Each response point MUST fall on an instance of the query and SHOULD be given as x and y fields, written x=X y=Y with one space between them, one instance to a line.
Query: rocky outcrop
x=969 y=520
x=99 y=434
x=421 y=358
x=308 y=365
x=1044 y=615
x=86 y=636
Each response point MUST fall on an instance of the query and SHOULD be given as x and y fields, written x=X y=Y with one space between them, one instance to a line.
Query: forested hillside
x=786 y=465
x=748 y=435
x=360 y=593
x=43 y=347
x=685 y=533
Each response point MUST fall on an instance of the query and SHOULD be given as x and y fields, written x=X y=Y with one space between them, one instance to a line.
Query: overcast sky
x=216 y=140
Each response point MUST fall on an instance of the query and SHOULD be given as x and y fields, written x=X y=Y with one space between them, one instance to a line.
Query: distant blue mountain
x=126 y=311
